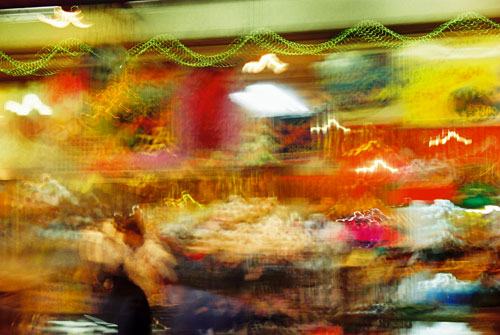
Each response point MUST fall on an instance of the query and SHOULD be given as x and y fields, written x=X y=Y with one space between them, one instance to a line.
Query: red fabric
x=209 y=119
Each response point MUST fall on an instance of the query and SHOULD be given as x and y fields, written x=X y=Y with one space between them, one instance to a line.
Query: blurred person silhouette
x=130 y=267
x=133 y=267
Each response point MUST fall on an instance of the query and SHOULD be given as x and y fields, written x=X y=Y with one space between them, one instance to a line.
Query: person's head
x=132 y=228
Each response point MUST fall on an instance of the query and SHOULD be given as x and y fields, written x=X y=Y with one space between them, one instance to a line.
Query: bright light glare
x=30 y=102
x=451 y=134
x=270 y=61
x=268 y=100
x=377 y=163
x=62 y=19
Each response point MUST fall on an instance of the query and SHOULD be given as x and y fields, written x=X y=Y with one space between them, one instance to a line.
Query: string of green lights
x=45 y=61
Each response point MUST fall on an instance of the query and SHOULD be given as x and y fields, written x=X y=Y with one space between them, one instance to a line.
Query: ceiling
x=5 y=4
x=130 y=22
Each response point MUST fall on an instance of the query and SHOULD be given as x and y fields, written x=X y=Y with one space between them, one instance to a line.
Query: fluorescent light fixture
x=30 y=102
x=29 y=14
x=269 y=100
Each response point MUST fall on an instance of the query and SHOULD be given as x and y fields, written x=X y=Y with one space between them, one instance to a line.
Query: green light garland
x=45 y=60
x=174 y=50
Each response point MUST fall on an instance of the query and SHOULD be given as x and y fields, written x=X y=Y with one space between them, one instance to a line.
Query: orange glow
x=370 y=145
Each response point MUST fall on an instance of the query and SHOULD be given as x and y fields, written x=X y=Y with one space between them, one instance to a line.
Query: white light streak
x=270 y=61
x=376 y=164
x=451 y=134
x=30 y=102
x=324 y=129
x=62 y=19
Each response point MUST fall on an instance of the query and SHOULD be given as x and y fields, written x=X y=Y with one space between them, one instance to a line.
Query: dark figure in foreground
x=126 y=306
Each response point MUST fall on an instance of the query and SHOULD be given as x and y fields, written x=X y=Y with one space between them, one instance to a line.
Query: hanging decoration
x=174 y=50
x=45 y=61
